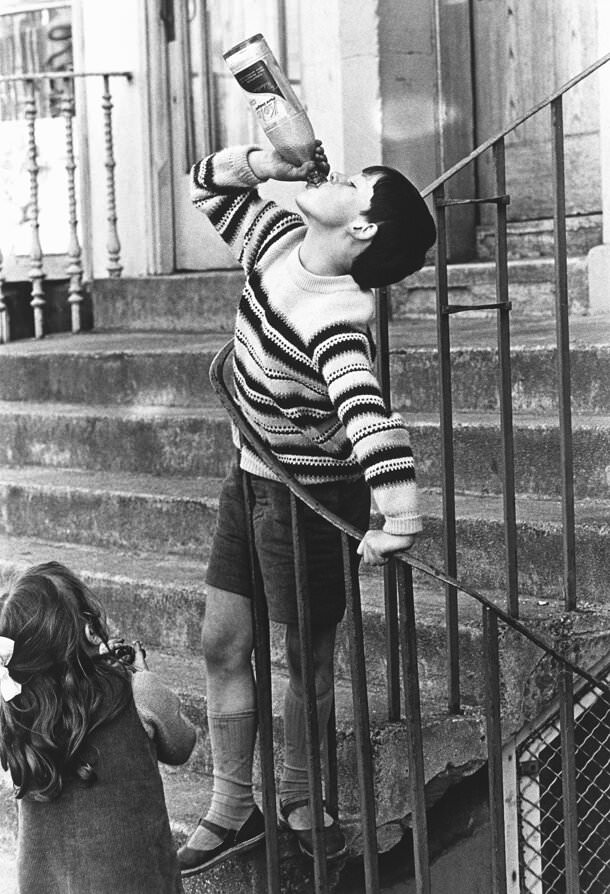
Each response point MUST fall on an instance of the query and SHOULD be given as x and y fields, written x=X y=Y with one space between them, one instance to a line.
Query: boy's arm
x=223 y=187
x=160 y=714
x=380 y=439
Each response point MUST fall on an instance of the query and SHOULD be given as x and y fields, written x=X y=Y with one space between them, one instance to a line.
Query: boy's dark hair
x=406 y=230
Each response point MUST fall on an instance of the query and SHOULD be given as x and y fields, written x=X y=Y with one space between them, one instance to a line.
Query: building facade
x=413 y=84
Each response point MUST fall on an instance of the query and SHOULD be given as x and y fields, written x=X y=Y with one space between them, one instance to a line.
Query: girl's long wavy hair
x=68 y=689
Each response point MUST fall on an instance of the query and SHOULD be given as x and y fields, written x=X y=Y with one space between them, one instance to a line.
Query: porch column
x=599 y=256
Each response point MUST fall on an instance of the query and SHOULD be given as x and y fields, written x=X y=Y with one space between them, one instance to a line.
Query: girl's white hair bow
x=9 y=688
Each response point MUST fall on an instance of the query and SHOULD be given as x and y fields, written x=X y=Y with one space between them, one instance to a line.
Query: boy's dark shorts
x=229 y=566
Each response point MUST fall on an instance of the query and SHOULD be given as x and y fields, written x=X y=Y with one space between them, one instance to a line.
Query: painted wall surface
x=112 y=39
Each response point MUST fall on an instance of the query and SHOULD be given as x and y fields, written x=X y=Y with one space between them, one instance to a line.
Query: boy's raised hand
x=270 y=164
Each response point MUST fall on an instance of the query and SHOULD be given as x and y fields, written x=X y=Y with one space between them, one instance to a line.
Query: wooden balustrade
x=66 y=106
x=36 y=271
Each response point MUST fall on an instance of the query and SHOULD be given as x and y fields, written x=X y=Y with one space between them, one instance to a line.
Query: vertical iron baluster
x=112 y=244
x=75 y=266
x=264 y=701
x=568 y=781
x=563 y=356
x=314 y=772
x=5 y=329
x=361 y=719
x=505 y=387
x=332 y=767
x=446 y=428
x=383 y=302
x=491 y=672
x=417 y=780
x=36 y=271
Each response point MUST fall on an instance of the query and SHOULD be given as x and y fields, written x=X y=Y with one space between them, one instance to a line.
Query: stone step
x=187 y=302
x=112 y=510
x=455 y=747
x=160 y=596
x=126 y=368
x=203 y=302
x=531 y=287
x=150 y=370
x=179 y=443
x=146 y=514
x=535 y=238
x=149 y=440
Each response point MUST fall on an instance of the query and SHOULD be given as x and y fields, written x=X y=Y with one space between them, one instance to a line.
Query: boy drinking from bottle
x=303 y=377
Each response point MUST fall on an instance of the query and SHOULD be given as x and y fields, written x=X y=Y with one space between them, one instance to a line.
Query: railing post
x=5 y=330
x=264 y=701
x=312 y=737
x=505 y=387
x=417 y=779
x=494 y=751
x=568 y=781
x=113 y=245
x=563 y=356
x=382 y=319
x=36 y=265
x=361 y=719
x=75 y=267
x=446 y=428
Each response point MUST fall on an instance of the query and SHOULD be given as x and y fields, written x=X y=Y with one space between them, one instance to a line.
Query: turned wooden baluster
x=5 y=332
x=75 y=266
x=113 y=245
x=36 y=272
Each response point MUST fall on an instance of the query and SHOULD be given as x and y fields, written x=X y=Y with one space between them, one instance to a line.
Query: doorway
x=207 y=108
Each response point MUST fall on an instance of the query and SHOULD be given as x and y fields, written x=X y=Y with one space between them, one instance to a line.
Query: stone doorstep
x=531 y=287
x=207 y=301
x=185 y=448
x=141 y=392
x=535 y=238
x=164 y=373
x=142 y=372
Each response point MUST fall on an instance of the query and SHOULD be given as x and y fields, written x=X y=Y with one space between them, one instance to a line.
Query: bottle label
x=259 y=81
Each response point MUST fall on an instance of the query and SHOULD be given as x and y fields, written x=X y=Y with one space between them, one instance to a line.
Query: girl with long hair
x=80 y=734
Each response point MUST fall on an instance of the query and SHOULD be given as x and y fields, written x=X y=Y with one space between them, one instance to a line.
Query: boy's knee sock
x=232 y=737
x=294 y=782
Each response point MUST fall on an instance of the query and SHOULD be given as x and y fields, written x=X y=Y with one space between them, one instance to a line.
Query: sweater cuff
x=403 y=524
x=238 y=160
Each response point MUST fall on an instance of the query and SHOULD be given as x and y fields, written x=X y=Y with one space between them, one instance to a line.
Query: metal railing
x=406 y=654
x=401 y=640
x=30 y=91
x=553 y=105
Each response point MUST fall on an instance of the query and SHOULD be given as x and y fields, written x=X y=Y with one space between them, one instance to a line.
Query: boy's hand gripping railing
x=491 y=614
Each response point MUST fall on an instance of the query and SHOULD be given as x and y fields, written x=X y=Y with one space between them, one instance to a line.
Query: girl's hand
x=376 y=546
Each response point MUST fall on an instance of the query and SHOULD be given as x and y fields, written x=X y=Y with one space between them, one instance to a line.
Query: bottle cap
x=244 y=43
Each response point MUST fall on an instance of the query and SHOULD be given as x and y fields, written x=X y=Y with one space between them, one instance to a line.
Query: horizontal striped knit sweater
x=303 y=372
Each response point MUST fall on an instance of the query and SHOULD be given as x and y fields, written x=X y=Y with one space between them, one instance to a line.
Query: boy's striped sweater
x=303 y=355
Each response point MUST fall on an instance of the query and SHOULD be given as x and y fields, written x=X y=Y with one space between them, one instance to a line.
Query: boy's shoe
x=334 y=841
x=233 y=841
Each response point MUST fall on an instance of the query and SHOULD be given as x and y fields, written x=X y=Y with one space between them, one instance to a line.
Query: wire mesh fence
x=542 y=850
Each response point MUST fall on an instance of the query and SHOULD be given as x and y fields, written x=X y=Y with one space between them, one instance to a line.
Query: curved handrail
x=217 y=379
x=458 y=166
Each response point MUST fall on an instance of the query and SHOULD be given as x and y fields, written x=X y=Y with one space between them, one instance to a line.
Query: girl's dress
x=114 y=835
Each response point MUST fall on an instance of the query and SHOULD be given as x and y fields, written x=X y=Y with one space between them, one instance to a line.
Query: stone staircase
x=112 y=448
